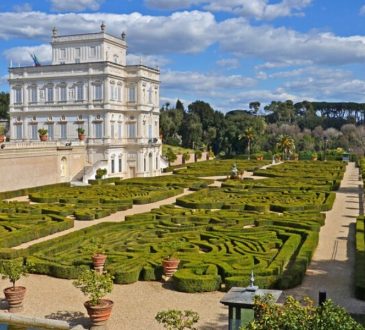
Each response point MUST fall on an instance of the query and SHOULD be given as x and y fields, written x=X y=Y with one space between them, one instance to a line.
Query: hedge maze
x=53 y=208
x=218 y=167
x=220 y=234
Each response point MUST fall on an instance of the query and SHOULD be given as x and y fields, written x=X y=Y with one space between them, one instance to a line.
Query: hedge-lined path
x=332 y=265
x=115 y=217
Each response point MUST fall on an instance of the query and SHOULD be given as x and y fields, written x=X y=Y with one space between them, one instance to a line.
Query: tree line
x=305 y=126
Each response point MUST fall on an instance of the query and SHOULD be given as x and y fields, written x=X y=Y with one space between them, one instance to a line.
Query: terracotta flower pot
x=2 y=138
x=43 y=137
x=99 y=314
x=15 y=297
x=82 y=137
x=99 y=261
x=170 y=266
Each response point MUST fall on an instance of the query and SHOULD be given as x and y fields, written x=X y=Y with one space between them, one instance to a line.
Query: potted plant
x=2 y=134
x=13 y=270
x=96 y=286
x=43 y=134
x=259 y=156
x=100 y=172
x=294 y=156
x=81 y=133
x=171 y=263
x=98 y=256
x=277 y=157
x=179 y=320
x=314 y=156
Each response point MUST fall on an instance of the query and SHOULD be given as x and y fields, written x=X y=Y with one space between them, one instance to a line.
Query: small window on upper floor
x=77 y=60
x=92 y=51
x=18 y=95
x=116 y=59
x=132 y=97
x=77 y=52
x=62 y=53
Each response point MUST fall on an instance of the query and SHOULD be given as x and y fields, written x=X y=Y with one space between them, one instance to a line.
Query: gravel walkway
x=331 y=269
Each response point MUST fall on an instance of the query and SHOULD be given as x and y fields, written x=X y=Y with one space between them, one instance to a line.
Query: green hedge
x=360 y=259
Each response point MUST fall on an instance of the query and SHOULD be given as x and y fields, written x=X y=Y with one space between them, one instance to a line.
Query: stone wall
x=32 y=167
x=179 y=159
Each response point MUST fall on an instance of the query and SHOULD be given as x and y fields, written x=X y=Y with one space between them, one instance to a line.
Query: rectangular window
x=63 y=94
x=150 y=131
x=120 y=164
x=79 y=92
x=77 y=60
x=50 y=128
x=49 y=92
x=98 y=130
x=18 y=95
x=119 y=93
x=77 y=52
x=92 y=51
x=34 y=131
x=112 y=92
x=97 y=92
x=112 y=166
x=64 y=131
x=156 y=163
x=132 y=130
x=120 y=130
x=19 y=131
x=132 y=93
x=63 y=53
x=33 y=95
x=150 y=95
x=112 y=130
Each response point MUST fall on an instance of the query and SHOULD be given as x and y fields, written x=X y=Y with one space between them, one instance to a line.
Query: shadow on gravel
x=217 y=324
x=73 y=318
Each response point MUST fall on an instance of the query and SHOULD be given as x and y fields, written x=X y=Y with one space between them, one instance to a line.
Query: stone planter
x=99 y=314
x=15 y=297
x=170 y=266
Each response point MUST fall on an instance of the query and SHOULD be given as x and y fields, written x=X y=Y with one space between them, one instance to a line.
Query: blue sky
x=225 y=52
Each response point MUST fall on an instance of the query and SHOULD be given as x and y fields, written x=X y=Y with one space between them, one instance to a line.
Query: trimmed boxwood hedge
x=360 y=259
x=220 y=234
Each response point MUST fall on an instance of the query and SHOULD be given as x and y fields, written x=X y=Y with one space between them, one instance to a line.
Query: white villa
x=88 y=85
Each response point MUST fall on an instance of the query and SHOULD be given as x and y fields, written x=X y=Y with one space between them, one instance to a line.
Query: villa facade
x=89 y=86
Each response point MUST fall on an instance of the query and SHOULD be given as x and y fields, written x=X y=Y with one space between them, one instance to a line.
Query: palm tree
x=249 y=135
x=286 y=145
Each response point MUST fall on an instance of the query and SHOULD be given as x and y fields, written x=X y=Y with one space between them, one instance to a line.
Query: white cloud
x=76 y=5
x=259 y=9
x=362 y=10
x=229 y=63
x=183 y=32
x=21 y=55
x=148 y=60
x=281 y=45
x=22 y=7
x=203 y=83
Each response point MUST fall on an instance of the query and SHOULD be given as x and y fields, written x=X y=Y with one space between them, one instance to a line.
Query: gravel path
x=331 y=269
